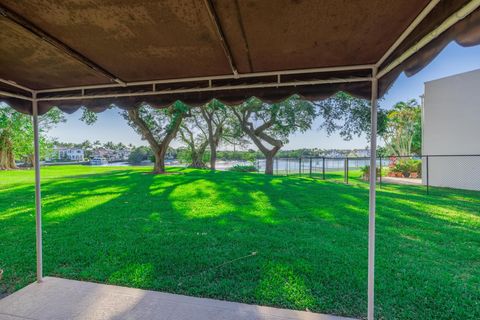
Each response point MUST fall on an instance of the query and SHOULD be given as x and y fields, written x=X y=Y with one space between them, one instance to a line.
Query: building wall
x=451 y=126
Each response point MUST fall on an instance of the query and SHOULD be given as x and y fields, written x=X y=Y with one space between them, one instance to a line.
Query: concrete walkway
x=57 y=298
x=407 y=181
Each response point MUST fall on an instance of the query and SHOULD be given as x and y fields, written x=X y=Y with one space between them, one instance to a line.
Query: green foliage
x=89 y=117
x=269 y=125
x=407 y=167
x=404 y=129
x=383 y=152
x=159 y=122
x=349 y=116
x=16 y=132
x=140 y=154
x=194 y=134
x=243 y=168
x=366 y=172
x=184 y=155
x=87 y=148
x=282 y=119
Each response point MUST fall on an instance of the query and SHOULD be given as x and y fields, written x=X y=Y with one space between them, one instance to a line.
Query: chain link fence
x=431 y=174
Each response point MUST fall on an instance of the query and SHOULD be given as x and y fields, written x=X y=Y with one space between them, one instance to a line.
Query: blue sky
x=453 y=59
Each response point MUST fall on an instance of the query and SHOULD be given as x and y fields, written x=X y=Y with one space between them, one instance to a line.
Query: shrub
x=407 y=166
x=243 y=168
x=139 y=154
x=366 y=172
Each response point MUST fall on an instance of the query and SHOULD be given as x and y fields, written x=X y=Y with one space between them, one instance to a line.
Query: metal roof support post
x=38 y=197
x=371 y=212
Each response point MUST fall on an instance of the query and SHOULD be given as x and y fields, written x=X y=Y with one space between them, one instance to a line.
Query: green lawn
x=283 y=241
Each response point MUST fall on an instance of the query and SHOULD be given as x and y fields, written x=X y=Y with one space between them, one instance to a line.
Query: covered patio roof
x=99 y=53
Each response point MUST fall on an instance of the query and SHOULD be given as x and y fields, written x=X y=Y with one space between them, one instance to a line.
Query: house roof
x=196 y=50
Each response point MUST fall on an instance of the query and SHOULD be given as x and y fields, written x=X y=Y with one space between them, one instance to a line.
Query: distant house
x=72 y=154
x=361 y=153
x=112 y=155
x=335 y=153
x=101 y=152
x=119 y=155
x=451 y=129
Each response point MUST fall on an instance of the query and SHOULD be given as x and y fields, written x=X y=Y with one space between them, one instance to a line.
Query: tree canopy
x=403 y=134
x=16 y=136
x=194 y=134
x=158 y=127
x=270 y=125
x=349 y=116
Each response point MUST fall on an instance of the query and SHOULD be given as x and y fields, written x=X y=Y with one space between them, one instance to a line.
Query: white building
x=451 y=126
x=73 y=154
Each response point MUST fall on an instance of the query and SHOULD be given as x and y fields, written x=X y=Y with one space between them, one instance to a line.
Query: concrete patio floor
x=57 y=298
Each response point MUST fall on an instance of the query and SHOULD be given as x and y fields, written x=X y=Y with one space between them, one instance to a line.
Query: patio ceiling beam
x=13 y=95
x=16 y=85
x=39 y=33
x=408 y=31
x=444 y=26
x=221 y=35
x=203 y=89
x=212 y=78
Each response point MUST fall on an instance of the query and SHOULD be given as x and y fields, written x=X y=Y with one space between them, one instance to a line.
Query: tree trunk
x=212 y=141
x=197 y=156
x=7 y=158
x=28 y=160
x=197 y=161
x=159 y=165
x=257 y=135
x=159 y=148
x=213 y=157
x=269 y=164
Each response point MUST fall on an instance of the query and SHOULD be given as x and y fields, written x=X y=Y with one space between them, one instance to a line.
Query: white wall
x=451 y=126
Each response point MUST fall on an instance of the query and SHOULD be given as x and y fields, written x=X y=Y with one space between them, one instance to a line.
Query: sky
x=452 y=60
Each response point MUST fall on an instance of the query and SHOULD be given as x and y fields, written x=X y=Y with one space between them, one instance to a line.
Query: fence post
x=380 y=171
x=346 y=170
x=428 y=182
x=310 y=167
x=323 y=168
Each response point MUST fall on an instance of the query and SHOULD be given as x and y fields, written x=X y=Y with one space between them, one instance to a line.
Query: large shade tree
x=269 y=125
x=217 y=118
x=194 y=134
x=158 y=127
x=16 y=136
x=208 y=125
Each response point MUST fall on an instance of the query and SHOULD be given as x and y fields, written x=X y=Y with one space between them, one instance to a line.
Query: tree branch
x=147 y=134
